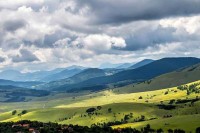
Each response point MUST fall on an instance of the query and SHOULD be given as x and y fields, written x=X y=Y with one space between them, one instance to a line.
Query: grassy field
x=67 y=109
x=185 y=122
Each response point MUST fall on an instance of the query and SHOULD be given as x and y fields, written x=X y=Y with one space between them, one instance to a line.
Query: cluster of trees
x=193 y=88
x=40 y=127
x=14 y=112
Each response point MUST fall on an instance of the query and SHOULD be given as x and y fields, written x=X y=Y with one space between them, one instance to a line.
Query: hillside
x=134 y=109
x=175 y=78
x=143 y=73
x=62 y=75
x=141 y=63
x=26 y=84
x=10 y=93
x=82 y=76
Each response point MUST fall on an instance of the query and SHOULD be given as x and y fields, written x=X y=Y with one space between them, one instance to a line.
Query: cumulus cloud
x=2 y=59
x=13 y=25
x=24 y=56
x=42 y=33
x=120 y=11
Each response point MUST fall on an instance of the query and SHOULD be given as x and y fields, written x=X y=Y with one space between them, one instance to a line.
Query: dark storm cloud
x=25 y=56
x=147 y=37
x=119 y=11
x=13 y=25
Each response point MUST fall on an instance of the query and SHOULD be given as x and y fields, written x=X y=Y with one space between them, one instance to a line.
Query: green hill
x=176 y=78
x=143 y=73
x=169 y=108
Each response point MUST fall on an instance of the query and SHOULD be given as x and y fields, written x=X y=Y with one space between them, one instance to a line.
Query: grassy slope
x=185 y=122
x=120 y=103
x=165 y=81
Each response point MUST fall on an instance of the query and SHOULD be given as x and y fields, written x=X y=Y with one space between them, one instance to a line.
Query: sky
x=47 y=34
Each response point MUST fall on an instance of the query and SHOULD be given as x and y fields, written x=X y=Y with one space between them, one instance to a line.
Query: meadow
x=168 y=108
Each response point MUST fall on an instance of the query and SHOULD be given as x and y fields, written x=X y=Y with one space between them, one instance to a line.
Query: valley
x=168 y=98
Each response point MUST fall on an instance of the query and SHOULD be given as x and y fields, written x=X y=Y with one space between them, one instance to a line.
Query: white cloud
x=61 y=33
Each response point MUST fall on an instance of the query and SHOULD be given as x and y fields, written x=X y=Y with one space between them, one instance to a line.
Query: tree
x=24 y=112
x=99 y=107
x=198 y=130
x=90 y=110
x=109 y=110
x=14 y=112
x=126 y=117
x=140 y=97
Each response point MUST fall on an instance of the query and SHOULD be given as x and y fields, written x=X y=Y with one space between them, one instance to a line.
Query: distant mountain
x=62 y=75
x=39 y=75
x=109 y=65
x=143 y=73
x=82 y=76
x=75 y=67
x=9 y=74
x=30 y=76
x=27 y=84
x=172 y=79
x=124 y=65
x=141 y=63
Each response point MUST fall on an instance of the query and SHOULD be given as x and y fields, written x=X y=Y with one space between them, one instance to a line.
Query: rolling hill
x=176 y=78
x=44 y=76
x=134 y=109
x=62 y=75
x=26 y=84
x=141 y=63
x=10 y=93
x=143 y=73
x=82 y=76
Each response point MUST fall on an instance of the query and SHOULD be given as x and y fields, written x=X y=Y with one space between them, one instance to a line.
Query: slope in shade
x=143 y=73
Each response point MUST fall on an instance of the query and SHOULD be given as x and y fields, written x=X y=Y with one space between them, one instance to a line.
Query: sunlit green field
x=67 y=109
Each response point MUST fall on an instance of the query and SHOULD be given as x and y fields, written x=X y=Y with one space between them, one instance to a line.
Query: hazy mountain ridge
x=143 y=73
x=46 y=76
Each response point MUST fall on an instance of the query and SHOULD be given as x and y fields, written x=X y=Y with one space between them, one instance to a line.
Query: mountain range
x=142 y=73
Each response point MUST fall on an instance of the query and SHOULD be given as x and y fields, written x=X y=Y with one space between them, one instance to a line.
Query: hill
x=28 y=84
x=176 y=78
x=143 y=73
x=62 y=75
x=171 y=110
x=29 y=76
x=124 y=66
x=10 y=93
x=49 y=75
x=141 y=63
x=82 y=76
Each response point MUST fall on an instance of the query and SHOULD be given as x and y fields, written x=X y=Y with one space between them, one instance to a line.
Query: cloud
x=44 y=34
x=120 y=11
x=25 y=56
x=13 y=25
x=100 y=43
x=2 y=59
